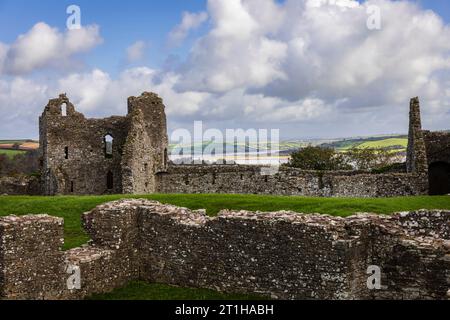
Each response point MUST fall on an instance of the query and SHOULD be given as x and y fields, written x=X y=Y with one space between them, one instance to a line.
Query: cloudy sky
x=311 y=68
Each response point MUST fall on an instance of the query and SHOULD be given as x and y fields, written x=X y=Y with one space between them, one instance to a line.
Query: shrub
x=318 y=158
x=370 y=159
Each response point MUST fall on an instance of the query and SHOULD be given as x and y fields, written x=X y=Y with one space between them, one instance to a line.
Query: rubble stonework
x=20 y=185
x=74 y=161
x=288 y=181
x=416 y=160
x=282 y=255
x=75 y=155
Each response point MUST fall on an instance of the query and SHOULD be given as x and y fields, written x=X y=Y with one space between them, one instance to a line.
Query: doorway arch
x=110 y=180
x=439 y=178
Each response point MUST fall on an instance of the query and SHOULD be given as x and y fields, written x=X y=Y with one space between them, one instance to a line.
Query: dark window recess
x=71 y=186
x=110 y=180
x=214 y=178
x=266 y=179
x=242 y=177
x=186 y=180
x=439 y=178
x=109 y=141
x=166 y=157
x=66 y=152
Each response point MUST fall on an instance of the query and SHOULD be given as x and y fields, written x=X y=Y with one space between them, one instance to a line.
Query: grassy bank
x=139 y=290
x=71 y=208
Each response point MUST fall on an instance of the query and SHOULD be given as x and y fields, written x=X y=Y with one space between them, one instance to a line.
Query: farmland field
x=393 y=142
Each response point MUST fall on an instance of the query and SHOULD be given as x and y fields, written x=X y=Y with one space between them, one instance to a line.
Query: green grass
x=71 y=208
x=11 y=153
x=139 y=290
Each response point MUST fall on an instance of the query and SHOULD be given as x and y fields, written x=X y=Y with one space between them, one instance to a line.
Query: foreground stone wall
x=283 y=255
x=288 y=181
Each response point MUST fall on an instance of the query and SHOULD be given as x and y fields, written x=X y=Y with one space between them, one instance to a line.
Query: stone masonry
x=75 y=160
x=282 y=255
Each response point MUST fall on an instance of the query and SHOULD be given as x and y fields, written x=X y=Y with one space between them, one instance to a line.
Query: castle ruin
x=129 y=155
x=101 y=156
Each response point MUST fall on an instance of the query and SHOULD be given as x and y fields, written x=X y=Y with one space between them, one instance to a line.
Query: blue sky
x=238 y=63
x=123 y=22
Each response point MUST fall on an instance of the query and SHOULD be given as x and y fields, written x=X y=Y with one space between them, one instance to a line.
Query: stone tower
x=147 y=144
x=416 y=161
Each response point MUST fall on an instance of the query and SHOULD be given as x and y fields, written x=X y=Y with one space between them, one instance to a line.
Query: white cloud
x=44 y=46
x=136 y=52
x=308 y=67
x=190 y=21
x=21 y=102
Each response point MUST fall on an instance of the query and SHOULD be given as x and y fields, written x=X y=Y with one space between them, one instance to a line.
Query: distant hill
x=13 y=147
x=393 y=142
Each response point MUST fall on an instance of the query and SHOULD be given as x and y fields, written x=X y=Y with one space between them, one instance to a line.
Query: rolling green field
x=393 y=142
x=71 y=208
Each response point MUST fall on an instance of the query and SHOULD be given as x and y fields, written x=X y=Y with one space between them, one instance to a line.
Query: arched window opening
x=110 y=180
x=66 y=153
x=109 y=141
x=64 y=109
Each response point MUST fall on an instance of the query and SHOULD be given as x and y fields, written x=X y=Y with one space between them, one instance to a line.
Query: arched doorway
x=110 y=181
x=439 y=178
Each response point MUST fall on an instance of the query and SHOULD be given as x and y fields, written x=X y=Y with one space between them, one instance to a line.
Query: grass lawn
x=139 y=290
x=71 y=208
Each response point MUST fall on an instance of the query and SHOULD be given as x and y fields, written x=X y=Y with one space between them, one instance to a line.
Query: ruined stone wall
x=286 y=255
x=416 y=159
x=74 y=156
x=155 y=125
x=145 y=151
x=283 y=255
x=73 y=151
x=20 y=185
x=288 y=181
